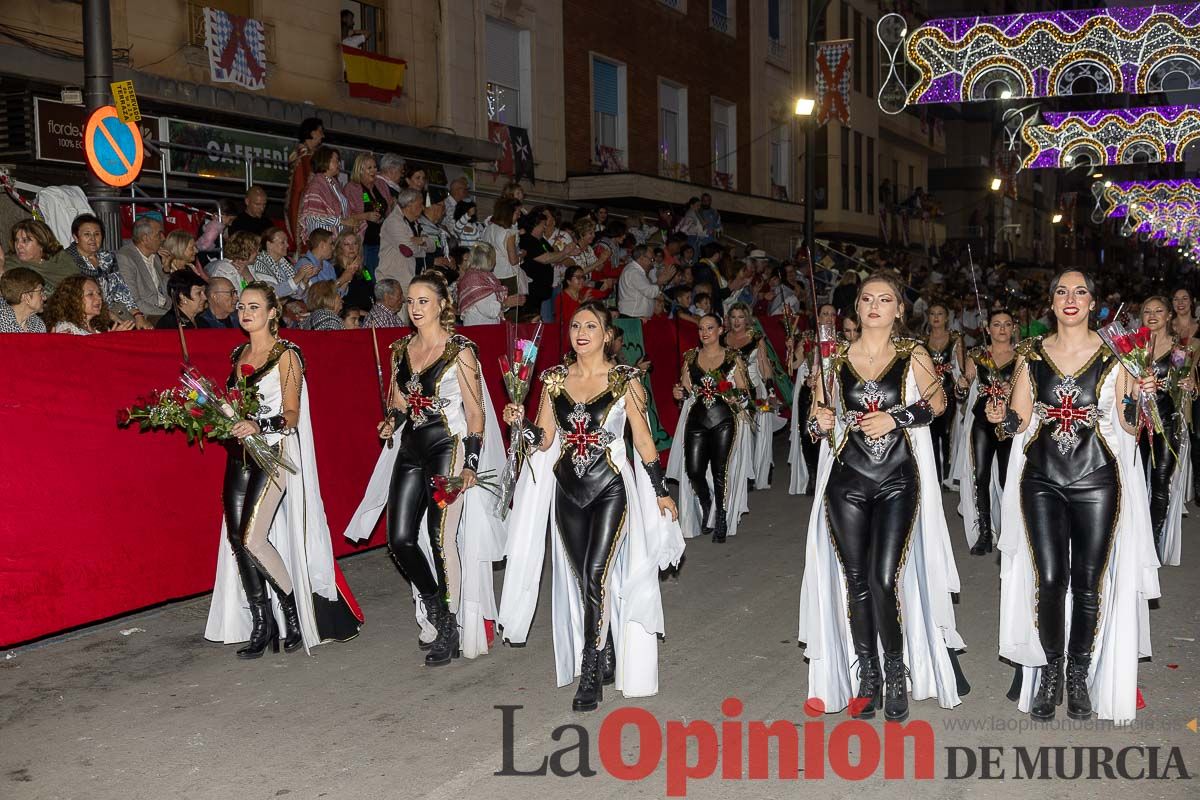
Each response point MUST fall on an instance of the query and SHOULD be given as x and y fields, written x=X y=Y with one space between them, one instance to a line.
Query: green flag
x=633 y=351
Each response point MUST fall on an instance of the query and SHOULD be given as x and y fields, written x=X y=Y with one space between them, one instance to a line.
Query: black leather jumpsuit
x=871 y=502
x=1070 y=488
x=986 y=446
x=711 y=429
x=589 y=499
x=427 y=448
x=810 y=449
x=1160 y=472
x=941 y=430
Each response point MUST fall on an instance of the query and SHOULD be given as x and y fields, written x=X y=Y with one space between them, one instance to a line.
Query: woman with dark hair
x=35 y=247
x=748 y=339
x=77 y=306
x=713 y=463
x=946 y=349
x=878 y=569
x=275 y=534
x=324 y=205
x=1185 y=326
x=576 y=290
x=615 y=521
x=185 y=292
x=444 y=546
x=1164 y=454
x=100 y=265
x=981 y=467
x=690 y=224
x=24 y=296
x=325 y=308
x=501 y=234
x=1074 y=530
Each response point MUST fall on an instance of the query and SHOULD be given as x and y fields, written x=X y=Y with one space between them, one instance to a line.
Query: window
x=912 y=181
x=870 y=45
x=779 y=163
x=721 y=16
x=608 y=114
x=821 y=28
x=672 y=130
x=362 y=25
x=858 y=172
x=821 y=164
x=859 y=47
x=845 y=168
x=844 y=20
x=724 y=144
x=508 y=80
x=870 y=174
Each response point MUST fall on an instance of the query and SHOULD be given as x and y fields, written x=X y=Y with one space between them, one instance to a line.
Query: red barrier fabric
x=100 y=521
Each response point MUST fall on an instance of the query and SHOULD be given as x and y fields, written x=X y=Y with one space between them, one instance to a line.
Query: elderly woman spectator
x=77 y=306
x=24 y=292
x=324 y=205
x=100 y=265
x=388 y=311
x=501 y=233
x=325 y=307
x=271 y=265
x=466 y=226
x=179 y=252
x=391 y=172
x=366 y=191
x=240 y=252
x=401 y=242
x=482 y=298
x=354 y=281
x=36 y=248
x=188 y=301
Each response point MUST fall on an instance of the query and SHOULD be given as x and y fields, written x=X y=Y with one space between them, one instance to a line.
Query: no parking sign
x=113 y=148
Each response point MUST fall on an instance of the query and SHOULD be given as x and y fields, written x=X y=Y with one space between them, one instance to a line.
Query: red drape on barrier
x=100 y=521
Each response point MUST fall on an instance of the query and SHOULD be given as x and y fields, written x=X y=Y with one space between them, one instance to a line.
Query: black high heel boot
x=263 y=633
x=446 y=646
x=870 y=686
x=608 y=661
x=591 y=681
x=1050 y=691
x=983 y=545
x=1079 y=702
x=1014 y=689
x=960 y=678
x=705 y=508
x=722 y=529
x=292 y=638
x=895 y=688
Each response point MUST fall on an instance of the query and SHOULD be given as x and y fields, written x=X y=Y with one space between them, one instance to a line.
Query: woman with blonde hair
x=482 y=298
x=366 y=191
x=325 y=308
x=179 y=252
x=354 y=279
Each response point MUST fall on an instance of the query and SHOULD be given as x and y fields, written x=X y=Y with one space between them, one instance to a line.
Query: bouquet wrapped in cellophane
x=517 y=369
x=204 y=413
x=1133 y=350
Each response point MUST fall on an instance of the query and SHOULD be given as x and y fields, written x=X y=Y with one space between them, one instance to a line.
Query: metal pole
x=97 y=75
x=815 y=11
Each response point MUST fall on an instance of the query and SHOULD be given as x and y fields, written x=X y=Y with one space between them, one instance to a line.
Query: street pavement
x=143 y=707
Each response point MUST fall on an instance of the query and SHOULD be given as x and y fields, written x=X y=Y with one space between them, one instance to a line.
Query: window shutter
x=604 y=87
x=503 y=54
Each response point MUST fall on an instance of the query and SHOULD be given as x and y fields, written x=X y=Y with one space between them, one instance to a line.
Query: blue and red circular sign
x=113 y=148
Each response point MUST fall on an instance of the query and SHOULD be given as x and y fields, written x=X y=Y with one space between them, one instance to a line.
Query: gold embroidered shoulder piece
x=554 y=378
x=1030 y=349
x=905 y=345
x=976 y=353
x=456 y=344
x=690 y=356
x=619 y=376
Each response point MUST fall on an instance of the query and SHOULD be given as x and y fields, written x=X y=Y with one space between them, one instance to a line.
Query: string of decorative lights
x=1112 y=136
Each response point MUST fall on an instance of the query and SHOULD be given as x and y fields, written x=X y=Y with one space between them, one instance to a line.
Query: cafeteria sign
x=226 y=151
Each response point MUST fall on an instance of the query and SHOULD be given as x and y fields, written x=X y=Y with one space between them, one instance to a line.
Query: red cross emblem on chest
x=420 y=405
x=1067 y=414
x=994 y=390
x=707 y=391
x=585 y=441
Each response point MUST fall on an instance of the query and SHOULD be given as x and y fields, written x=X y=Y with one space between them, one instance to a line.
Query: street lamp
x=996 y=184
x=1057 y=218
x=805 y=106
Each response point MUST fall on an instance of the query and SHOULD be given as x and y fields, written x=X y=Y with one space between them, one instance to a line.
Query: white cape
x=1129 y=581
x=963 y=471
x=480 y=536
x=649 y=542
x=799 y=477
x=1172 y=543
x=767 y=424
x=737 y=501
x=928 y=579
x=299 y=532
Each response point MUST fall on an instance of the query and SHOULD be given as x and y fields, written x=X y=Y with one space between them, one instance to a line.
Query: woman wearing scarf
x=482 y=298
x=324 y=205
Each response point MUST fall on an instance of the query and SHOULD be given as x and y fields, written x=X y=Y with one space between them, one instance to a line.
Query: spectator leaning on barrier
x=142 y=268
x=186 y=292
x=35 y=247
x=222 y=300
x=325 y=307
x=24 y=293
x=271 y=265
x=77 y=306
x=101 y=266
x=388 y=311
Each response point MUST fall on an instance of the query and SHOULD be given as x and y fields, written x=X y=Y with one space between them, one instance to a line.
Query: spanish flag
x=372 y=76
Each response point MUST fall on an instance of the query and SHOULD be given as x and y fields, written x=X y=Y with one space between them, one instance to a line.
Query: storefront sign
x=226 y=151
x=59 y=131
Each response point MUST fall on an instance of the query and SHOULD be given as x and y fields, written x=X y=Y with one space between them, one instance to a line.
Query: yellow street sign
x=126 y=102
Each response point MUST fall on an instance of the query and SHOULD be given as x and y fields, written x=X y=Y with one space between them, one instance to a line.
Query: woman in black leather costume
x=712 y=422
x=992 y=367
x=826 y=315
x=873 y=492
x=1070 y=484
x=946 y=349
x=436 y=391
x=590 y=500
x=1160 y=465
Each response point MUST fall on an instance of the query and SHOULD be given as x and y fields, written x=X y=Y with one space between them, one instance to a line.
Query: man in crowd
x=142 y=268
x=637 y=294
x=459 y=190
x=711 y=218
x=401 y=245
x=391 y=169
x=222 y=298
x=252 y=218
x=389 y=305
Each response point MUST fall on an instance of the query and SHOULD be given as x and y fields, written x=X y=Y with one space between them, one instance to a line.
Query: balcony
x=724 y=180
x=721 y=22
x=676 y=5
x=609 y=159
x=673 y=170
x=777 y=50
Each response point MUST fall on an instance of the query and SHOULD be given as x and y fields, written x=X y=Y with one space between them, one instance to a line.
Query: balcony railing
x=776 y=49
x=723 y=180
x=675 y=4
x=722 y=22
x=610 y=159
x=673 y=170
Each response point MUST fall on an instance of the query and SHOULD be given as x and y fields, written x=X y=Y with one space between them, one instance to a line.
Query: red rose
x=235 y=395
x=523 y=375
x=208 y=428
x=123 y=417
x=196 y=412
x=1142 y=337
x=1124 y=344
x=247 y=370
x=827 y=349
x=724 y=386
x=505 y=364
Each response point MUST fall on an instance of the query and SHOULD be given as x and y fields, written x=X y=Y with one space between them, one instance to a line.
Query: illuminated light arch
x=1168 y=129
x=1014 y=75
x=1165 y=62
x=1083 y=145
x=1128 y=151
x=1084 y=64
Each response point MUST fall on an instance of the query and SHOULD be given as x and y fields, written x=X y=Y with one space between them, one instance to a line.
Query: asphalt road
x=144 y=708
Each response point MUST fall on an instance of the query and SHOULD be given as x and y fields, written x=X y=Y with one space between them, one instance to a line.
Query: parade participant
x=275 y=533
x=946 y=349
x=1185 y=327
x=981 y=467
x=613 y=524
x=879 y=571
x=713 y=463
x=1075 y=528
x=803 y=451
x=1165 y=454
x=444 y=546
x=748 y=340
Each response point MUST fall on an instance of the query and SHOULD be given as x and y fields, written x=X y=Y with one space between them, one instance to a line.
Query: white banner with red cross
x=237 y=50
x=833 y=80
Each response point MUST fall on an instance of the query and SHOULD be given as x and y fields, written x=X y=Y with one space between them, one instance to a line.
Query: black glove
x=275 y=424
x=532 y=437
x=916 y=415
x=658 y=478
x=472 y=447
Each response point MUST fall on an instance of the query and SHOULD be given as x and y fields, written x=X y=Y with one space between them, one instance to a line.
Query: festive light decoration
x=1046 y=54
x=1112 y=136
x=1113 y=199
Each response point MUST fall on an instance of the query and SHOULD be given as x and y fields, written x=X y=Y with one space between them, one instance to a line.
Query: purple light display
x=1112 y=136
